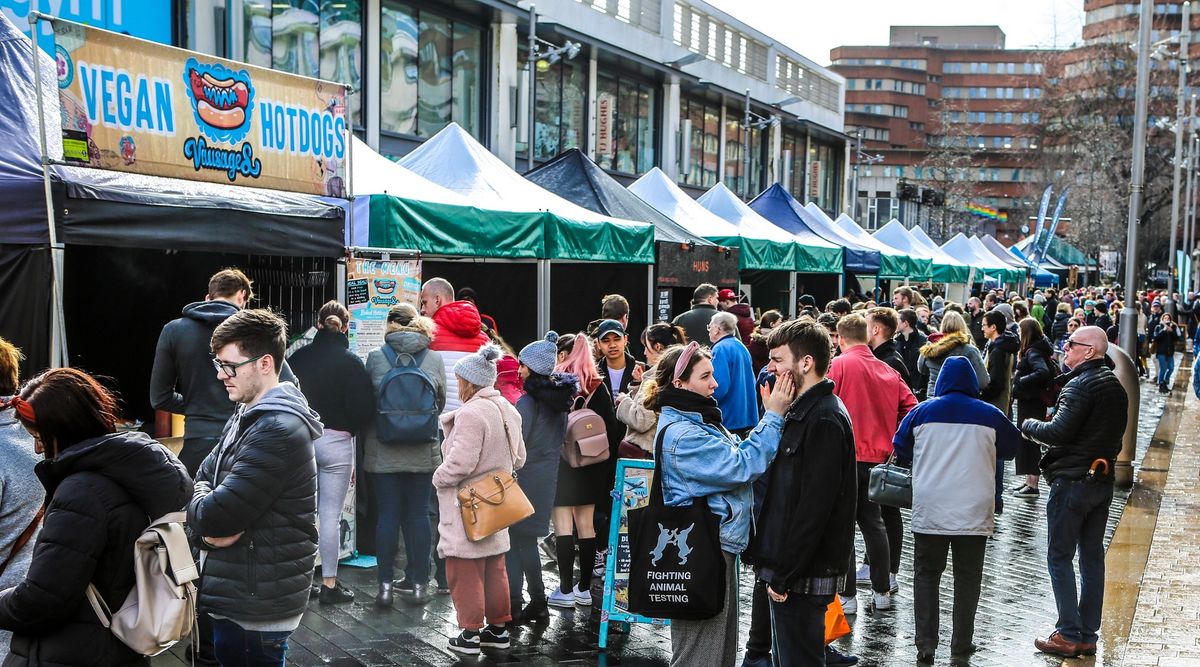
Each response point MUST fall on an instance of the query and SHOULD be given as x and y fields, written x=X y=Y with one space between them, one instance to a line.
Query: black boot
x=384 y=598
x=535 y=612
x=338 y=594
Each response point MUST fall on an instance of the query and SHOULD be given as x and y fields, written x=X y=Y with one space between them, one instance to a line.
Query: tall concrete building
x=656 y=83
x=948 y=120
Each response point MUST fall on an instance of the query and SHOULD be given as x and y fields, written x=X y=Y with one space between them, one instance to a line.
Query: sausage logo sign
x=137 y=106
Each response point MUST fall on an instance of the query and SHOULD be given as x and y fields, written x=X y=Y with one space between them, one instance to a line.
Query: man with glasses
x=1082 y=440
x=254 y=507
x=182 y=382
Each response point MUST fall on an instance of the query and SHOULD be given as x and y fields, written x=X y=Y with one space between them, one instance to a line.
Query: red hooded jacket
x=457 y=332
x=876 y=397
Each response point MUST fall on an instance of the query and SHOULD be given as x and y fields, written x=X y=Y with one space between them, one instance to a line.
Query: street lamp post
x=859 y=158
x=1189 y=208
x=751 y=121
x=552 y=55
x=1184 y=37
x=1128 y=326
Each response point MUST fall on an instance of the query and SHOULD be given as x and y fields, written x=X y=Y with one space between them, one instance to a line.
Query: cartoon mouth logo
x=221 y=100
x=385 y=287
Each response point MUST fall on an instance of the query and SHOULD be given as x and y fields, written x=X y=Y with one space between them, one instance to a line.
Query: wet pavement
x=1016 y=605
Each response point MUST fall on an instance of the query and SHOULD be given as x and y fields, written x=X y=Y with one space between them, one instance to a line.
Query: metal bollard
x=1126 y=371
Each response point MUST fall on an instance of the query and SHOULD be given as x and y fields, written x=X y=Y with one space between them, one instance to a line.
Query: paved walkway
x=1016 y=605
x=1165 y=628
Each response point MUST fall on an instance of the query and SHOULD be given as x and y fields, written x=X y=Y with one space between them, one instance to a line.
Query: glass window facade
x=320 y=39
x=626 y=129
x=702 y=167
x=561 y=121
x=431 y=72
x=826 y=167
x=735 y=155
x=794 y=142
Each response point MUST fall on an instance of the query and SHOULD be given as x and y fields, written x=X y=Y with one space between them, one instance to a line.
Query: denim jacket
x=700 y=460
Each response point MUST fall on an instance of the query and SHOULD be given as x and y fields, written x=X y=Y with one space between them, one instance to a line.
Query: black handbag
x=890 y=484
x=676 y=567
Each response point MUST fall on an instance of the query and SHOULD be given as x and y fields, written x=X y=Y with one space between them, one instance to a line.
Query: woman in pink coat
x=482 y=436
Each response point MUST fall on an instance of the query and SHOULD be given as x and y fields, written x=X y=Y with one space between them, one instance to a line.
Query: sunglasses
x=230 y=370
x=1074 y=343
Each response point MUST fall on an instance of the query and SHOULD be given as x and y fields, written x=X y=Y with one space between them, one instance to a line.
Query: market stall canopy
x=374 y=174
x=961 y=248
x=23 y=216
x=658 y=190
x=453 y=159
x=814 y=256
x=1016 y=272
x=123 y=209
x=1058 y=251
x=1041 y=277
x=944 y=268
x=996 y=248
x=576 y=178
x=894 y=263
x=782 y=210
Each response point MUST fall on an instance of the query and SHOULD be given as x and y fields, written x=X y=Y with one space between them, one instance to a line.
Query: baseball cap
x=727 y=295
x=609 y=326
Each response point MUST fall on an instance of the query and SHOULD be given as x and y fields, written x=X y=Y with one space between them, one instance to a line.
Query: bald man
x=1082 y=441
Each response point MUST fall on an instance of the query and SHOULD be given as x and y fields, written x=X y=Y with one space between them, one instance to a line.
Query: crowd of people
x=776 y=425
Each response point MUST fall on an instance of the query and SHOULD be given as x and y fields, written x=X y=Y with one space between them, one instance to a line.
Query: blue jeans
x=798 y=630
x=1076 y=513
x=403 y=501
x=1166 y=367
x=236 y=646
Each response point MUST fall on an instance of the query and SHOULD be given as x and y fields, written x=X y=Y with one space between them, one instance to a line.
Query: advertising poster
x=632 y=492
x=137 y=106
x=373 y=286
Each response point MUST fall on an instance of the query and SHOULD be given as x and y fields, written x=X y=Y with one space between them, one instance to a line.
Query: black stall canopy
x=106 y=209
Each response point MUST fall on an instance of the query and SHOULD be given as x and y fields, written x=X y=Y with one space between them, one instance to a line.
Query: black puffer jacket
x=335 y=381
x=102 y=494
x=263 y=476
x=888 y=354
x=910 y=351
x=806 y=526
x=1058 y=330
x=1088 y=424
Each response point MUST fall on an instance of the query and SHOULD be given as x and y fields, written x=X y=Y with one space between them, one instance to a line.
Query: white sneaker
x=863 y=576
x=583 y=598
x=849 y=605
x=882 y=601
x=893 y=585
x=557 y=598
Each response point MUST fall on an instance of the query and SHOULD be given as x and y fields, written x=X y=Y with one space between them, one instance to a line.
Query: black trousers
x=758 y=644
x=929 y=562
x=870 y=524
x=798 y=630
x=524 y=563
x=893 y=523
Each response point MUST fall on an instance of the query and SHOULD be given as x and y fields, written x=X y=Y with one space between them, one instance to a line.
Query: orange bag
x=836 y=626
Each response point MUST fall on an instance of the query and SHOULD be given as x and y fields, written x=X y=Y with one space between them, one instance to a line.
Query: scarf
x=689 y=401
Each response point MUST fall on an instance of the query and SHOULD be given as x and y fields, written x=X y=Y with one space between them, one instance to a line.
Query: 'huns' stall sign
x=133 y=105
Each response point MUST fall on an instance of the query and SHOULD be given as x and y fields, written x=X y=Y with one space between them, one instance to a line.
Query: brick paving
x=1165 y=629
x=1016 y=605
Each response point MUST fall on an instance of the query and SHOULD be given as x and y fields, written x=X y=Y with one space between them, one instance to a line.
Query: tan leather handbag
x=493 y=501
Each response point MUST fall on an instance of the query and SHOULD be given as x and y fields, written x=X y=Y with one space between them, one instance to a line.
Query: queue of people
x=774 y=423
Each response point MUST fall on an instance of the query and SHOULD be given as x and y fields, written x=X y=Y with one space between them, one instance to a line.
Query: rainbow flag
x=986 y=212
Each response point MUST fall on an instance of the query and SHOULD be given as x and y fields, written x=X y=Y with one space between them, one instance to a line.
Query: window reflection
x=561 y=100
x=705 y=140
x=316 y=38
x=294 y=46
x=430 y=72
x=625 y=131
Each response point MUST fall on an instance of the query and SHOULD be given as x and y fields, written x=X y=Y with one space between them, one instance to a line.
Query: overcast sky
x=813 y=27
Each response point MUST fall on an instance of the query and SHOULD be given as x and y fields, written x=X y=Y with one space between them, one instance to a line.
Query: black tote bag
x=676 y=570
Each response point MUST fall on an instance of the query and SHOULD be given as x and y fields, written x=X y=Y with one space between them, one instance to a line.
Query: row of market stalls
x=539 y=249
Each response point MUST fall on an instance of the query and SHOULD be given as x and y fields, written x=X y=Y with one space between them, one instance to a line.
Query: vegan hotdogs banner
x=133 y=105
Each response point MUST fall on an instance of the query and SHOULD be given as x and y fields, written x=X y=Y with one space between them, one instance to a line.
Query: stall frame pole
x=58 y=327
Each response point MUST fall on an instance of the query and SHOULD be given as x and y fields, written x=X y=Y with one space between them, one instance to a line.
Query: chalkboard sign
x=632 y=490
x=678 y=266
x=662 y=305
x=357 y=291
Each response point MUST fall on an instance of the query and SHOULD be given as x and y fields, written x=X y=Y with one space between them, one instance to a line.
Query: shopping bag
x=836 y=625
x=677 y=570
